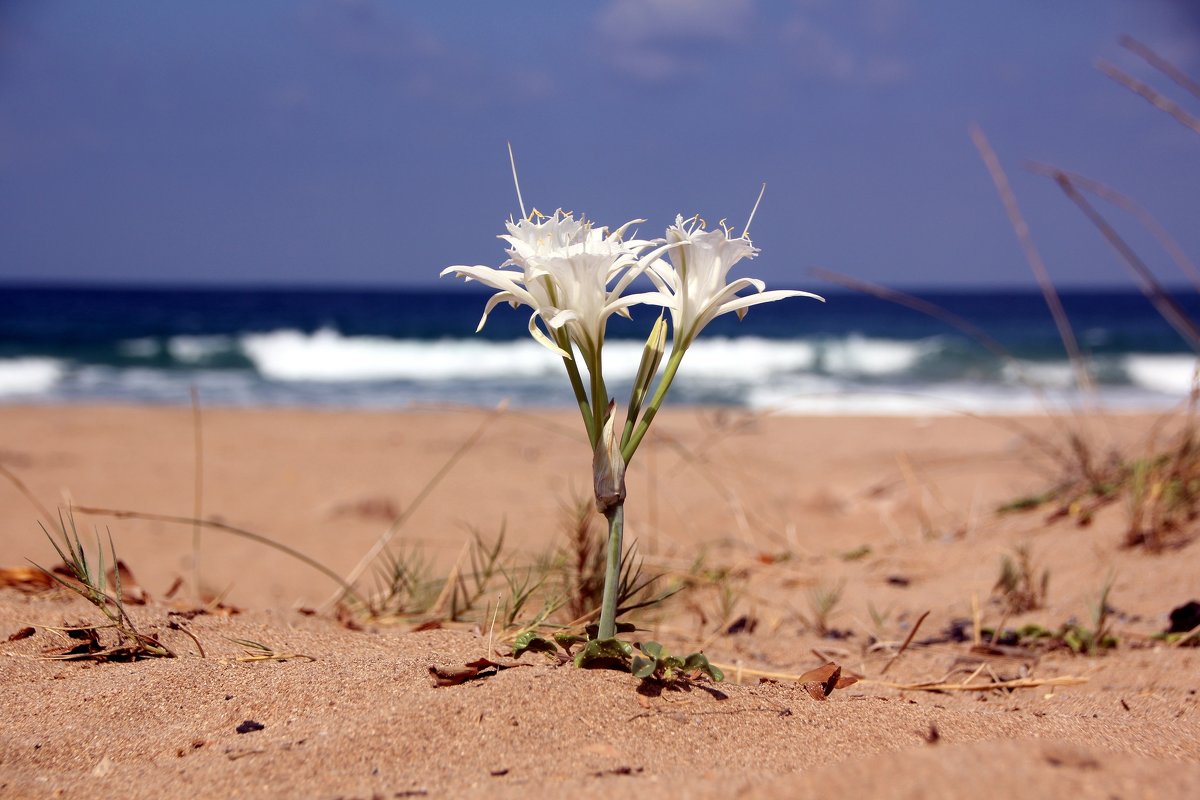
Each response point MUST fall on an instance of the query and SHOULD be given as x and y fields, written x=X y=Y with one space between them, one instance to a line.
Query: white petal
x=742 y=303
x=543 y=339
x=560 y=318
x=493 y=301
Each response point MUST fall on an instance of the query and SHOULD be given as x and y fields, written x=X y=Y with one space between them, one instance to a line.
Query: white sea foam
x=330 y=357
x=859 y=355
x=195 y=349
x=1045 y=374
x=1169 y=374
x=29 y=376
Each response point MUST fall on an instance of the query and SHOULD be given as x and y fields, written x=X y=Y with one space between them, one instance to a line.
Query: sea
x=405 y=348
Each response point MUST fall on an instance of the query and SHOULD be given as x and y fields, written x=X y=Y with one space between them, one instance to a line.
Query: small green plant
x=89 y=580
x=1021 y=587
x=653 y=663
x=1071 y=635
x=823 y=600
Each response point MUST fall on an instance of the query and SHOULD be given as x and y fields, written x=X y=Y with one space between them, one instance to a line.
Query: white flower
x=564 y=268
x=694 y=287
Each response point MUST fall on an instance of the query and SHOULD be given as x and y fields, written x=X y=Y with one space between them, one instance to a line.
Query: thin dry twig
x=1125 y=203
x=1154 y=291
x=1033 y=257
x=116 y=513
x=1161 y=64
x=198 y=491
x=904 y=646
x=1187 y=637
x=47 y=517
x=1150 y=94
x=1015 y=683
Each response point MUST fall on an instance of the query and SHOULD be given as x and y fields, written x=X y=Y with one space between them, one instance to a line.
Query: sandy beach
x=763 y=515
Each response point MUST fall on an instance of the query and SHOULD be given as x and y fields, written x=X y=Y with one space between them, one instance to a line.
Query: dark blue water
x=391 y=347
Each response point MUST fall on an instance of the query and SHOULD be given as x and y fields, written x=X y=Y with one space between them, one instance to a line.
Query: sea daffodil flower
x=695 y=285
x=565 y=268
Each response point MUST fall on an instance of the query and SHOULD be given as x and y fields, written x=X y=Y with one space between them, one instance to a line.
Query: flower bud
x=652 y=355
x=608 y=466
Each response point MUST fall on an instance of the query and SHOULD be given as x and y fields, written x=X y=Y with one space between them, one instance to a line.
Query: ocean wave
x=199 y=349
x=29 y=376
x=328 y=356
x=1169 y=373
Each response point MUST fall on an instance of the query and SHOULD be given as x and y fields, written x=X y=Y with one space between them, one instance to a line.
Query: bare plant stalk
x=1161 y=64
x=1155 y=293
x=116 y=513
x=1151 y=95
x=1021 y=228
x=198 y=493
x=1125 y=203
x=24 y=490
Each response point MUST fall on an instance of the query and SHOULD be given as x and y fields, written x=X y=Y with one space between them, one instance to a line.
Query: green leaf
x=568 y=640
x=652 y=649
x=699 y=662
x=605 y=654
x=529 y=641
x=643 y=667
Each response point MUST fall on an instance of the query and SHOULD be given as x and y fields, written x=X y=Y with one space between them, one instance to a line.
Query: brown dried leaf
x=176 y=585
x=25 y=579
x=472 y=670
x=822 y=681
x=428 y=625
x=24 y=633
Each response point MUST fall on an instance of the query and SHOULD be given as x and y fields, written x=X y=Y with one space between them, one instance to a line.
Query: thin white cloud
x=817 y=52
x=378 y=40
x=662 y=40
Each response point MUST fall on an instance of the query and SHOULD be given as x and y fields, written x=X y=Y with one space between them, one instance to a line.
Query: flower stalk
x=573 y=276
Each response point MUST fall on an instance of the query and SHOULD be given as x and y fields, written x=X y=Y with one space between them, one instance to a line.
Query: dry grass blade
x=1125 y=203
x=1161 y=64
x=257 y=651
x=1033 y=257
x=1154 y=291
x=1151 y=95
x=1187 y=637
x=197 y=492
x=221 y=526
x=907 y=640
x=1015 y=683
x=88 y=578
x=47 y=517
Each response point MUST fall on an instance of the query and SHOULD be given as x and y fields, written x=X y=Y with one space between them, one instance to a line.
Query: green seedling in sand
x=573 y=276
x=653 y=663
x=88 y=578
x=1019 y=586
x=823 y=600
x=1079 y=639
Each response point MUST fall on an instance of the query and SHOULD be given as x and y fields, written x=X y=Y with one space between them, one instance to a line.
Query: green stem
x=599 y=396
x=612 y=573
x=628 y=430
x=660 y=393
x=585 y=408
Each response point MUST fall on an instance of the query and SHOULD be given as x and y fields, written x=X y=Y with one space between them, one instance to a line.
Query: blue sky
x=362 y=142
